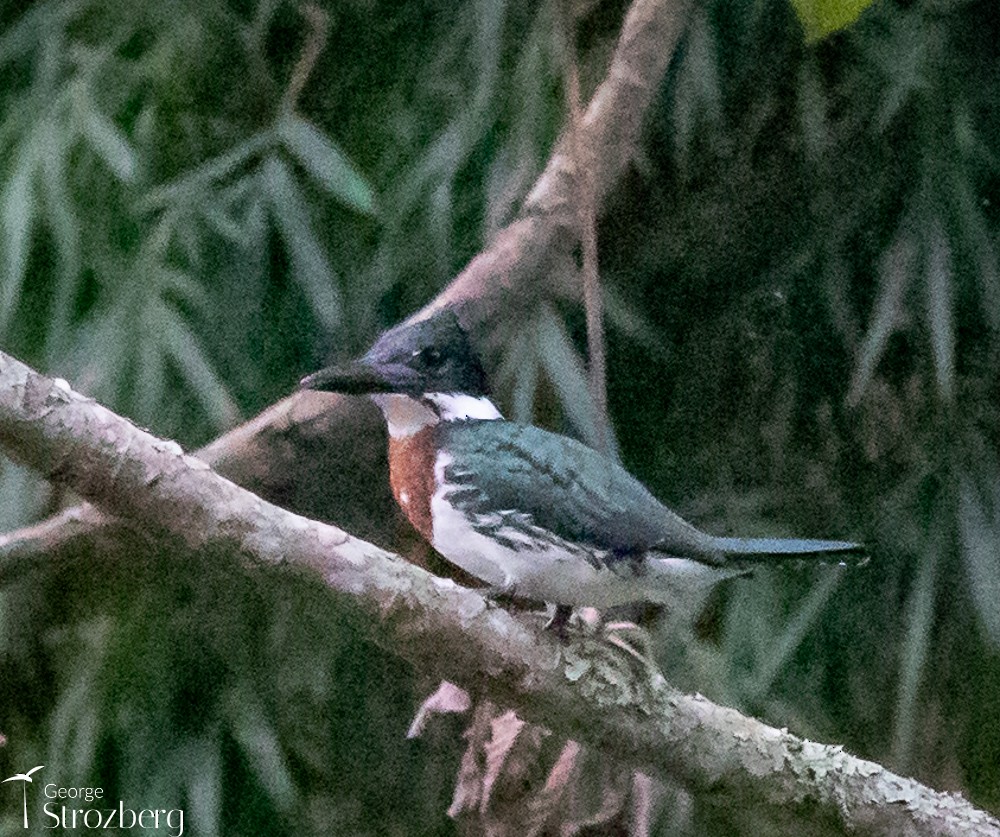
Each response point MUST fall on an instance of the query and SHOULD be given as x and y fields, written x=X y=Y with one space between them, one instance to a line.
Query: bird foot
x=559 y=620
x=507 y=591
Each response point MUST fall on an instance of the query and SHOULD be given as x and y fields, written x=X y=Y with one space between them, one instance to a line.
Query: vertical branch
x=586 y=217
x=319 y=22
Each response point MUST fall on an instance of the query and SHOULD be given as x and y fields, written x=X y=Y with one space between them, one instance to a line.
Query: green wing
x=562 y=486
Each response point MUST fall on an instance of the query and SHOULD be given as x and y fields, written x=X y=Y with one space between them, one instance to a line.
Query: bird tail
x=751 y=552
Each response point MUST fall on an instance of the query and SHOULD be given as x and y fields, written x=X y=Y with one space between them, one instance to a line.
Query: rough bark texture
x=585 y=689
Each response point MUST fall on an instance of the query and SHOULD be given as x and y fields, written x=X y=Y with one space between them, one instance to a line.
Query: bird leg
x=559 y=620
x=505 y=590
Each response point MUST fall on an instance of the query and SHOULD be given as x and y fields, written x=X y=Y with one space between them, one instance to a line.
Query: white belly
x=534 y=564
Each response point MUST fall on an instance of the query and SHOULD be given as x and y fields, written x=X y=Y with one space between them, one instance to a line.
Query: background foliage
x=809 y=233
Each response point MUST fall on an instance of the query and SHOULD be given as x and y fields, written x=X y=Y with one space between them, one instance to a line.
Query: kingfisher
x=529 y=512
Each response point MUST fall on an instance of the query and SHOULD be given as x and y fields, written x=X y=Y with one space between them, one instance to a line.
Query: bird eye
x=427 y=356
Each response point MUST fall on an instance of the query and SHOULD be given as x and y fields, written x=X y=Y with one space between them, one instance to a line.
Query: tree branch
x=319 y=22
x=513 y=267
x=583 y=689
x=293 y=452
x=586 y=228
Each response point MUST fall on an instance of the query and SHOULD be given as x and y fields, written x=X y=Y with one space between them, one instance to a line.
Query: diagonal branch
x=582 y=689
x=513 y=267
x=292 y=452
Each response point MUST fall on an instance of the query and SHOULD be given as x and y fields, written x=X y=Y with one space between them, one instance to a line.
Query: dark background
x=802 y=314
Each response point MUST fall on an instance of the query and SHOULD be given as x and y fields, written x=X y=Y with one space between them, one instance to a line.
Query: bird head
x=413 y=359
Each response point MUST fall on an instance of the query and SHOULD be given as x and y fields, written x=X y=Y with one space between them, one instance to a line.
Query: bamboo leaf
x=149 y=373
x=185 y=287
x=979 y=528
x=777 y=654
x=109 y=143
x=566 y=371
x=65 y=228
x=77 y=721
x=939 y=308
x=915 y=645
x=188 y=238
x=40 y=19
x=518 y=372
x=101 y=350
x=703 y=61
x=907 y=54
x=23 y=495
x=18 y=214
x=525 y=386
x=222 y=223
x=698 y=99
x=258 y=741
x=196 y=181
x=326 y=163
x=203 y=768
x=626 y=318
x=310 y=266
x=895 y=274
x=238 y=214
x=812 y=111
x=181 y=345
x=752 y=627
x=982 y=251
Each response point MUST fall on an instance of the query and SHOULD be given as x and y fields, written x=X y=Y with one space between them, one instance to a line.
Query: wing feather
x=562 y=486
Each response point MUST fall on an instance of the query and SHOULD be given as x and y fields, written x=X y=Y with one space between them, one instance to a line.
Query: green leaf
x=259 y=743
x=519 y=371
x=939 y=308
x=896 y=272
x=196 y=181
x=109 y=143
x=697 y=103
x=525 y=385
x=630 y=321
x=65 y=227
x=203 y=768
x=149 y=374
x=980 y=248
x=238 y=214
x=812 y=111
x=23 y=495
x=310 y=266
x=776 y=655
x=177 y=340
x=34 y=25
x=185 y=287
x=916 y=642
x=326 y=163
x=566 y=371
x=77 y=721
x=101 y=352
x=821 y=17
x=979 y=528
x=703 y=68
x=17 y=212
x=188 y=235
x=907 y=53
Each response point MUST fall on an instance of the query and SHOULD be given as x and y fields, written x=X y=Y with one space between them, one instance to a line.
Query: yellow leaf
x=821 y=17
